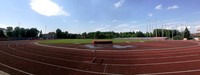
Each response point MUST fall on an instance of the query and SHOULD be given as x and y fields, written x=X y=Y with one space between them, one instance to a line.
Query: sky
x=78 y=16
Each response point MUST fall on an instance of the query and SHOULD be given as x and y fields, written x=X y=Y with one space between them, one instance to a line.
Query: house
x=196 y=36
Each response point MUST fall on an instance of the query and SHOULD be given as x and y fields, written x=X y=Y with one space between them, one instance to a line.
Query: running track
x=28 y=58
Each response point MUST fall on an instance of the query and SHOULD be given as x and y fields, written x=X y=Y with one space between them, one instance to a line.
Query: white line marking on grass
x=56 y=65
x=16 y=69
x=173 y=72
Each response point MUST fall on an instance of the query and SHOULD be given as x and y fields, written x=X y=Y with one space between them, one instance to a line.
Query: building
x=50 y=35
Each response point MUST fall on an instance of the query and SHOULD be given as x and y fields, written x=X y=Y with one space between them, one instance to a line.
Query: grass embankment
x=84 y=41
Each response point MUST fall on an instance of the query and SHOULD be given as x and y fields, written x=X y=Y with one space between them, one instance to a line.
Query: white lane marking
x=74 y=69
x=192 y=51
x=58 y=54
x=192 y=55
x=117 y=64
x=104 y=64
x=181 y=56
x=62 y=47
x=52 y=57
x=120 y=50
x=3 y=73
x=173 y=72
x=162 y=63
x=154 y=63
x=115 y=55
x=145 y=58
x=16 y=69
x=104 y=71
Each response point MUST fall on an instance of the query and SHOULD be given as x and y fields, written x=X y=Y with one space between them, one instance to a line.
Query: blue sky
x=77 y=16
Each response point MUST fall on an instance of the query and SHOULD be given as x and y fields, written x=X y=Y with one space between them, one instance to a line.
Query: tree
x=34 y=32
x=16 y=32
x=58 y=33
x=97 y=34
x=139 y=34
x=2 y=32
x=84 y=35
x=9 y=31
x=187 y=33
x=27 y=33
x=22 y=32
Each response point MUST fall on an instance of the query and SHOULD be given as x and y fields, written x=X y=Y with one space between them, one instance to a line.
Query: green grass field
x=84 y=41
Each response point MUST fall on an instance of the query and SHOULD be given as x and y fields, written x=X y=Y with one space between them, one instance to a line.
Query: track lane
x=189 y=67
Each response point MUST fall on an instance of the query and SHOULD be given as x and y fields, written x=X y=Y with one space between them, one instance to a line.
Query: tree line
x=175 y=34
x=18 y=32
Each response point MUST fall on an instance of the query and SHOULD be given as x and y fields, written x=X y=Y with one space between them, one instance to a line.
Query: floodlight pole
x=45 y=29
x=19 y=24
x=147 y=29
x=176 y=31
x=162 y=31
x=182 y=28
x=169 y=31
x=156 y=29
x=172 y=33
x=150 y=27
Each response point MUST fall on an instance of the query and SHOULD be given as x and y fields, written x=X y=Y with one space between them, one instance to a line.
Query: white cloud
x=197 y=27
x=6 y=25
x=117 y=28
x=119 y=4
x=182 y=27
x=150 y=15
x=168 y=27
x=158 y=7
x=47 y=8
x=125 y=28
x=173 y=7
x=103 y=28
x=100 y=29
x=122 y=25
